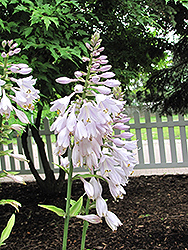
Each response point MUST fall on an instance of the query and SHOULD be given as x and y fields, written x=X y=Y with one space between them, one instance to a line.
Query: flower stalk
x=85 y=226
x=67 y=216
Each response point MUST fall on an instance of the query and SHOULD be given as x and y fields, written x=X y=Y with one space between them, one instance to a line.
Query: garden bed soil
x=154 y=213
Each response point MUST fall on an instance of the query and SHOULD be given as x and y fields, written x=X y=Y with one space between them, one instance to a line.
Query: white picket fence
x=151 y=153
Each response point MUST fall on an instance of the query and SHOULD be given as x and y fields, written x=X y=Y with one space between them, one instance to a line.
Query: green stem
x=67 y=217
x=85 y=227
x=87 y=78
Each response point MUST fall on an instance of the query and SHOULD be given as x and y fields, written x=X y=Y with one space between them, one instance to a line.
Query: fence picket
x=161 y=140
x=172 y=140
x=183 y=139
x=150 y=138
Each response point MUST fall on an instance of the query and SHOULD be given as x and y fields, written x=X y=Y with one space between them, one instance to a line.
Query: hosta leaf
x=75 y=209
x=57 y=210
x=13 y=203
x=6 y=232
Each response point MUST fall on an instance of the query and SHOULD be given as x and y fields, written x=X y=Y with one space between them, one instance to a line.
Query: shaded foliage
x=167 y=88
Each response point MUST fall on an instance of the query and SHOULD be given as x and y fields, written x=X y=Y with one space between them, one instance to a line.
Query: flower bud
x=78 y=74
x=89 y=46
x=11 y=53
x=4 y=55
x=14 y=45
x=17 y=50
x=4 y=43
x=10 y=42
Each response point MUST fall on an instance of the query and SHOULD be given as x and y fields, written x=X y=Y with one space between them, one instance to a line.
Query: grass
x=154 y=130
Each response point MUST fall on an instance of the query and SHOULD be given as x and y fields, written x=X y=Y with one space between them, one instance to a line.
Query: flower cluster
x=25 y=93
x=87 y=124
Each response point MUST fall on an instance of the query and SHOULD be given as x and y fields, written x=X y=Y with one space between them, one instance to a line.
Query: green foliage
x=52 y=35
x=6 y=232
x=60 y=212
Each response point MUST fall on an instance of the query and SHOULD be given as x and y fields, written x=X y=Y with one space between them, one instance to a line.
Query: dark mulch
x=154 y=214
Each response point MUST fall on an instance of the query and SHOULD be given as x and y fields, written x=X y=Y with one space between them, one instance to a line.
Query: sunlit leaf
x=57 y=210
x=6 y=232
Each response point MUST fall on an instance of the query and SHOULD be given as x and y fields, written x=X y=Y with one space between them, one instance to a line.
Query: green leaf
x=75 y=209
x=13 y=203
x=77 y=176
x=65 y=169
x=4 y=2
x=6 y=232
x=2 y=24
x=47 y=21
x=57 y=210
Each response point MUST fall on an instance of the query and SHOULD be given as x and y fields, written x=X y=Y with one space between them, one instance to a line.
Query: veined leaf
x=75 y=209
x=6 y=232
x=14 y=203
x=57 y=210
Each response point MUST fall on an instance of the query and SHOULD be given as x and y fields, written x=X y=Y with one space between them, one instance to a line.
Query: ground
x=154 y=213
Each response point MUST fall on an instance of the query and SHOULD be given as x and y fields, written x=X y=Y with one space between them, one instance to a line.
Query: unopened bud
x=4 y=43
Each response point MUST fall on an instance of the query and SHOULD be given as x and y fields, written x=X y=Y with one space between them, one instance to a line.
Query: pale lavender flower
x=17 y=50
x=92 y=218
x=11 y=53
x=88 y=188
x=101 y=206
x=4 y=43
x=17 y=127
x=3 y=54
x=18 y=157
x=16 y=178
x=125 y=135
x=5 y=105
x=65 y=80
x=65 y=162
x=112 y=220
x=21 y=116
x=102 y=89
x=107 y=75
x=111 y=83
x=61 y=104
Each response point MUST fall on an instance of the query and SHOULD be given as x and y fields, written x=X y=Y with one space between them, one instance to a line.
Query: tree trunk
x=49 y=185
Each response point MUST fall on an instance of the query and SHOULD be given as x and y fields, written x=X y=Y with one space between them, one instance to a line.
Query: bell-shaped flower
x=61 y=104
x=88 y=188
x=65 y=162
x=63 y=138
x=97 y=187
x=92 y=218
x=107 y=103
x=80 y=131
x=21 y=116
x=5 y=105
x=112 y=220
x=17 y=127
x=19 y=157
x=16 y=178
x=78 y=88
x=117 y=191
x=71 y=121
x=101 y=206
x=59 y=124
